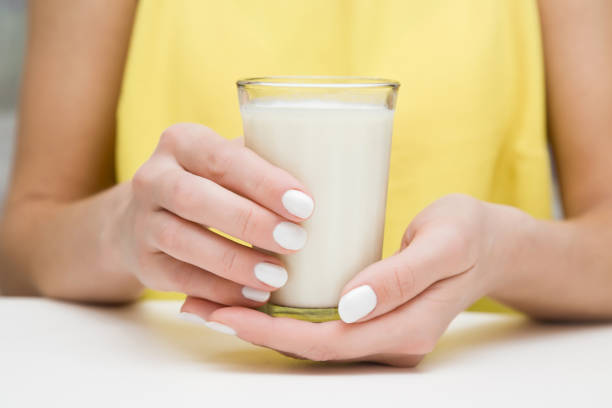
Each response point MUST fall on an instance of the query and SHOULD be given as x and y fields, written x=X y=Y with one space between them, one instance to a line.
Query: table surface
x=61 y=354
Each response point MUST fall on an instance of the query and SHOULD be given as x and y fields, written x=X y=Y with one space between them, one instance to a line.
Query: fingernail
x=298 y=203
x=290 y=235
x=255 y=294
x=356 y=304
x=271 y=274
x=221 y=328
x=192 y=318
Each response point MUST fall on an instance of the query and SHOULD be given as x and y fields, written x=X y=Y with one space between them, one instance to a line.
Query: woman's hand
x=394 y=311
x=196 y=179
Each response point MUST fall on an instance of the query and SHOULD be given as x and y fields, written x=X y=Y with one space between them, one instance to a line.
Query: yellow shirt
x=471 y=111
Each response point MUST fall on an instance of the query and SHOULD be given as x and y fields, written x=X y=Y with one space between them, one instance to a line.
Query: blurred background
x=12 y=44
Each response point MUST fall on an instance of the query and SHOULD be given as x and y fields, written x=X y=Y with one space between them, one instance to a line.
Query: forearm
x=559 y=270
x=67 y=250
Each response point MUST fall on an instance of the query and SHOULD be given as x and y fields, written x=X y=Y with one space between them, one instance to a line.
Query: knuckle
x=259 y=184
x=171 y=136
x=456 y=198
x=245 y=221
x=229 y=261
x=219 y=160
x=457 y=245
x=182 y=194
x=460 y=202
x=142 y=180
x=404 y=280
x=167 y=236
x=399 y=284
x=183 y=279
x=456 y=239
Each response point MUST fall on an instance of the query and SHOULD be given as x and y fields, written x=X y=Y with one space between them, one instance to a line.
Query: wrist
x=114 y=243
x=511 y=232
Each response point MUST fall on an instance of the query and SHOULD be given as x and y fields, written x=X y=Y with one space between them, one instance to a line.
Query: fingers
x=200 y=307
x=195 y=245
x=400 y=338
x=202 y=152
x=314 y=341
x=197 y=180
x=432 y=255
x=203 y=201
x=172 y=275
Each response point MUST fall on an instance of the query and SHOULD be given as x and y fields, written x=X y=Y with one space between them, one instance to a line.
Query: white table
x=68 y=355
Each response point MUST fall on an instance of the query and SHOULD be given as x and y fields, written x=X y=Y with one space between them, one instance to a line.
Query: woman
x=101 y=206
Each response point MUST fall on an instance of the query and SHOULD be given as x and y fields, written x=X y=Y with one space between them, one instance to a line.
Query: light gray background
x=12 y=41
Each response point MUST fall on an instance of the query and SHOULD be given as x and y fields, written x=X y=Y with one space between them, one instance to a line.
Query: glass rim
x=318 y=81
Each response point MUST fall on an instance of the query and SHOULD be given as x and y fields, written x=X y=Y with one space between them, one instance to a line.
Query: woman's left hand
x=394 y=311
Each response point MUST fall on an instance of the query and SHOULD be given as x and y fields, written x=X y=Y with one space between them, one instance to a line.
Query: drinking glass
x=333 y=134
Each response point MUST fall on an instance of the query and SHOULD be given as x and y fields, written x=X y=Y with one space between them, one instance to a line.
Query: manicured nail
x=298 y=203
x=192 y=318
x=290 y=235
x=255 y=294
x=271 y=274
x=221 y=328
x=356 y=304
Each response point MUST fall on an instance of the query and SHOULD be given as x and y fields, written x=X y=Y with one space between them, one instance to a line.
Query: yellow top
x=470 y=115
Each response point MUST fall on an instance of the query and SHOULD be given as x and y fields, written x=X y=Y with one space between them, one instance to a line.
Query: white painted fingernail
x=290 y=235
x=298 y=203
x=255 y=294
x=221 y=328
x=192 y=318
x=357 y=304
x=271 y=274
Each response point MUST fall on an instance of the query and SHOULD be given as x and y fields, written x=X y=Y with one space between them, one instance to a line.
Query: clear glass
x=334 y=135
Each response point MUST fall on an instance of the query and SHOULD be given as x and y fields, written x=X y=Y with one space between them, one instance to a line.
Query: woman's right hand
x=196 y=179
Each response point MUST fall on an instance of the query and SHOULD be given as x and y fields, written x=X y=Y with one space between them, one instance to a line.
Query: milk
x=340 y=151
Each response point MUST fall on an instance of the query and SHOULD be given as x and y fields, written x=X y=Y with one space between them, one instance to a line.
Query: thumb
x=431 y=255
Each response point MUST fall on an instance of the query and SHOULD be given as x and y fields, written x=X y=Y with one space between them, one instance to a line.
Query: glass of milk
x=333 y=134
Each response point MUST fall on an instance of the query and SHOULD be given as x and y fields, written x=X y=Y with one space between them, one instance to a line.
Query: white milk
x=340 y=151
